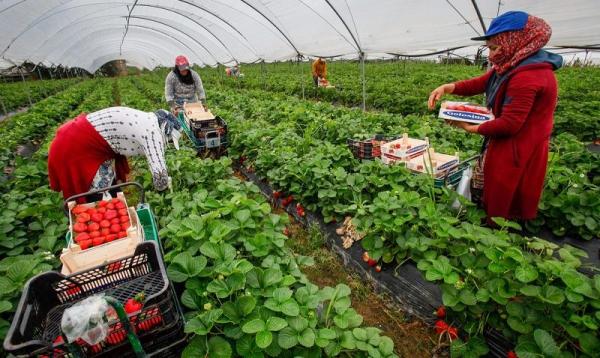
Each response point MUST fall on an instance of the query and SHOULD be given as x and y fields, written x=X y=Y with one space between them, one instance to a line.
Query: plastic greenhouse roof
x=149 y=33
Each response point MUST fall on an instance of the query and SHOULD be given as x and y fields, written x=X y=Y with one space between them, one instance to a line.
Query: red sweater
x=75 y=155
x=517 y=152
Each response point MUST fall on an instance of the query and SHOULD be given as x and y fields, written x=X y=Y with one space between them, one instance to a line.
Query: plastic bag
x=86 y=320
x=464 y=187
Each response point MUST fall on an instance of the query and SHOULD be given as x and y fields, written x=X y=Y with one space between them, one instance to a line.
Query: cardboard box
x=435 y=164
x=465 y=112
x=75 y=259
x=403 y=149
x=196 y=112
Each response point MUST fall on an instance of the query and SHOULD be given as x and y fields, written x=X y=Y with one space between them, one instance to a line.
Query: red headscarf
x=515 y=46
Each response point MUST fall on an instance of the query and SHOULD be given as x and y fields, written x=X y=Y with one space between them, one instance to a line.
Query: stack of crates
x=36 y=327
x=368 y=149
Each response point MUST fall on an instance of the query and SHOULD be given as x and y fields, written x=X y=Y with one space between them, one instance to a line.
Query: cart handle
x=102 y=190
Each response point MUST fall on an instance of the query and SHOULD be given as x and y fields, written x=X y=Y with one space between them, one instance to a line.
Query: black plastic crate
x=368 y=148
x=210 y=133
x=45 y=297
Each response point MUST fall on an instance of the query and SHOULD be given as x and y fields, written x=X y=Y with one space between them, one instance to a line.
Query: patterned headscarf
x=515 y=46
x=170 y=126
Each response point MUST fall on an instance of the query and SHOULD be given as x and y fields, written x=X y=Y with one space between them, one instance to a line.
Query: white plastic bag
x=464 y=187
x=86 y=320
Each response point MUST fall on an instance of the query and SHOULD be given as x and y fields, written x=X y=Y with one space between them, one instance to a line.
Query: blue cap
x=509 y=21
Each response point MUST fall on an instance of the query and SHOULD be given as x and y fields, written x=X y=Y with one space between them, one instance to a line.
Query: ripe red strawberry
x=91 y=211
x=124 y=219
x=440 y=327
x=135 y=304
x=276 y=194
x=122 y=212
x=372 y=263
x=115 y=221
x=116 y=334
x=453 y=332
x=83 y=218
x=115 y=228
x=110 y=214
x=125 y=226
x=94 y=234
x=102 y=203
x=97 y=217
x=119 y=205
x=101 y=211
x=377 y=268
x=71 y=291
x=80 y=227
x=79 y=209
x=111 y=237
x=85 y=244
x=98 y=240
x=122 y=234
x=93 y=227
x=115 y=200
x=104 y=231
x=286 y=231
x=300 y=209
x=441 y=312
x=104 y=223
x=82 y=236
x=511 y=354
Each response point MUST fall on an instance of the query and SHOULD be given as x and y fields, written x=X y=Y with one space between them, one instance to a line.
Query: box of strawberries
x=99 y=232
x=465 y=112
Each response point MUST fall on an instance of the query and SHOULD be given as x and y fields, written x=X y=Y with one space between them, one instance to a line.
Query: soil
x=412 y=338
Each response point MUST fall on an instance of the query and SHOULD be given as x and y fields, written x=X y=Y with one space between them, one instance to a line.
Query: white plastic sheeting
x=148 y=33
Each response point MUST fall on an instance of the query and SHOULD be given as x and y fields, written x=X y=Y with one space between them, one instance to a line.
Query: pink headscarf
x=516 y=46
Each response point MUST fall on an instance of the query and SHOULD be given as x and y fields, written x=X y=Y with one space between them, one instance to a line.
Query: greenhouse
x=300 y=178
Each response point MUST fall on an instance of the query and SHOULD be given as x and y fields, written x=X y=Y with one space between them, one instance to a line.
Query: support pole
x=301 y=71
x=364 y=87
x=26 y=87
x=262 y=74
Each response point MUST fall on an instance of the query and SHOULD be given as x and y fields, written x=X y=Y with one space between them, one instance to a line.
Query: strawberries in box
x=465 y=112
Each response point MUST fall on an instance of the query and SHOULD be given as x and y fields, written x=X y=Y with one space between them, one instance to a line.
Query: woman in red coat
x=521 y=90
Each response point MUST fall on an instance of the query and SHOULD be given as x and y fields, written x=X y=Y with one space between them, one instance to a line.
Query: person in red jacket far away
x=521 y=90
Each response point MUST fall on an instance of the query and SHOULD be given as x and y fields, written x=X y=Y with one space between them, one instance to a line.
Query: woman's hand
x=471 y=128
x=437 y=93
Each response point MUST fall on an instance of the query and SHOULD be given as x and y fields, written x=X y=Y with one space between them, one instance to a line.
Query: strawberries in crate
x=97 y=223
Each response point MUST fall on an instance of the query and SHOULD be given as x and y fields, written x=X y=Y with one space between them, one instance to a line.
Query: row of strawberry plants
x=403 y=88
x=34 y=123
x=244 y=291
x=572 y=189
x=32 y=224
x=21 y=94
x=527 y=288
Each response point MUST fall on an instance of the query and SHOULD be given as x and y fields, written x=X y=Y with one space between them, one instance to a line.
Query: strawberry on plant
x=377 y=268
x=441 y=312
x=372 y=262
x=440 y=327
x=511 y=354
x=276 y=195
x=286 y=231
x=365 y=256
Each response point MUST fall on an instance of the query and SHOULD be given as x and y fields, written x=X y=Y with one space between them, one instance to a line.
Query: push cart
x=208 y=134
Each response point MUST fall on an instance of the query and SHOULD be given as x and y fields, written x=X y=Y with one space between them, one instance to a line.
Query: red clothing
x=517 y=152
x=75 y=155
